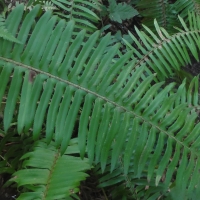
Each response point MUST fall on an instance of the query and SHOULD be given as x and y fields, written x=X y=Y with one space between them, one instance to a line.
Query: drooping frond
x=48 y=175
x=51 y=83
x=124 y=176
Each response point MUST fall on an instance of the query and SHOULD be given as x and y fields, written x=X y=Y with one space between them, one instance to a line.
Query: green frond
x=166 y=13
x=163 y=11
x=129 y=186
x=51 y=82
x=134 y=170
x=48 y=175
x=81 y=11
x=183 y=6
x=165 y=54
x=4 y=33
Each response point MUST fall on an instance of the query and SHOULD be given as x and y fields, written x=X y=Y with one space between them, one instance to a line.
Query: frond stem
x=99 y=96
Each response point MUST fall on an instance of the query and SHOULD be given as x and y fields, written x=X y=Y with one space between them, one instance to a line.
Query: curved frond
x=165 y=54
x=133 y=174
x=51 y=83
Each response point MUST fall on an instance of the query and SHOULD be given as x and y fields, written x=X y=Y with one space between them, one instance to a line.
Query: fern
x=165 y=54
x=166 y=13
x=162 y=11
x=54 y=80
x=81 y=11
x=4 y=33
x=183 y=6
x=141 y=186
x=46 y=174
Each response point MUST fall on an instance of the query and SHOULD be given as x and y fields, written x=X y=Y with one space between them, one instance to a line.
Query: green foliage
x=165 y=12
x=182 y=7
x=46 y=5
x=48 y=175
x=140 y=133
x=121 y=11
x=4 y=33
x=13 y=148
x=166 y=53
x=81 y=11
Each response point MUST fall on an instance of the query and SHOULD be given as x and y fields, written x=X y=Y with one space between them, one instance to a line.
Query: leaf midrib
x=99 y=96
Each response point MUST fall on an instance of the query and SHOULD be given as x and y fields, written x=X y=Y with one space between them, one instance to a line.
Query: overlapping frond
x=163 y=11
x=48 y=175
x=4 y=32
x=145 y=146
x=129 y=186
x=183 y=6
x=83 y=12
x=166 y=12
x=140 y=186
x=52 y=83
x=165 y=54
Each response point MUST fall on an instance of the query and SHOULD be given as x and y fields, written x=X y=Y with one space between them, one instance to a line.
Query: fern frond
x=81 y=11
x=129 y=186
x=163 y=53
x=121 y=11
x=166 y=13
x=134 y=166
x=48 y=175
x=58 y=82
x=184 y=6
x=162 y=11
x=4 y=33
